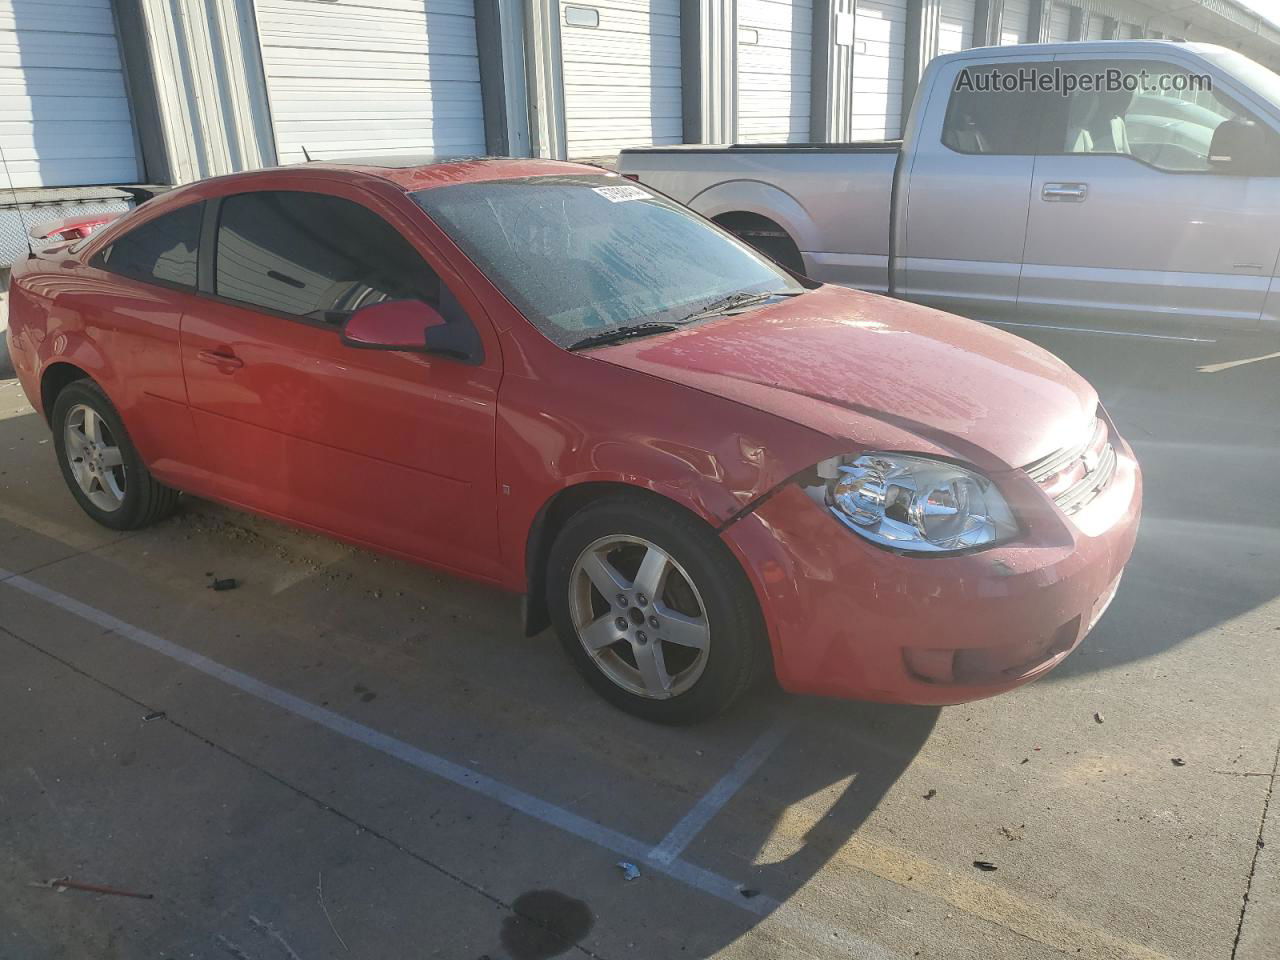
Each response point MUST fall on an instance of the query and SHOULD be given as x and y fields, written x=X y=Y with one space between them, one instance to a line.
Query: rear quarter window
x=162 y=251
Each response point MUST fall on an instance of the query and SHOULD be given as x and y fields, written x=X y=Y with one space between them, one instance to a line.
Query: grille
x=1074 y=476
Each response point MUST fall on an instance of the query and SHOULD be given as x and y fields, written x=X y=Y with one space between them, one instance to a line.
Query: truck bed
x=793 y=186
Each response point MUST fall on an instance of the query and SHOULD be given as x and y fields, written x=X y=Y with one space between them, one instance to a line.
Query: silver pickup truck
x=1119 y=185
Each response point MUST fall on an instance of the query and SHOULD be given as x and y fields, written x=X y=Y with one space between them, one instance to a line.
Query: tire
x=104 y=472
x=702 y=593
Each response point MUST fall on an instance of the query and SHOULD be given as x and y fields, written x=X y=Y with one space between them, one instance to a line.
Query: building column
x=1038 y=28
x=1079 y=23
x=924 y=19
x=986 y=22
x=544 y=80
x=504 y=91
x=1110 y=28
x=709 y=70
x=831 y=82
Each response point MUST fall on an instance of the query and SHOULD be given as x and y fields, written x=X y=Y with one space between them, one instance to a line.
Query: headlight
x=916 y=504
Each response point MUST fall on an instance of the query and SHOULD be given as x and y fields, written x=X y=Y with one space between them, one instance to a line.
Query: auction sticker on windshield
x=621 y=194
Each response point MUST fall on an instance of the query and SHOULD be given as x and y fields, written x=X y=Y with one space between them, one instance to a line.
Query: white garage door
x=368 y=77
x=1059 y=23
x=774 y=42
x=1096 y=27
x=880 y=36
x=64 y=112
x=955 y=27
x=1014 y=21
x=621 y=75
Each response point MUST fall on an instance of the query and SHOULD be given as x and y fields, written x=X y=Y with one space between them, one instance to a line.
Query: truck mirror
x=1238 y=147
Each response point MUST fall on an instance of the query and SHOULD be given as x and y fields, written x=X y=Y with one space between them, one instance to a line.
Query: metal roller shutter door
x=1096 y=27
x=1059 y=23
x=1014 y=21
x=367 y=77
x=880 y=36
x=621 y=63
x=955 y=27
x=774 y=41
x=64 y=111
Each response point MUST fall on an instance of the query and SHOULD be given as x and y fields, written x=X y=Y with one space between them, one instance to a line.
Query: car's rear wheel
x=654 y=610
x=100 y=464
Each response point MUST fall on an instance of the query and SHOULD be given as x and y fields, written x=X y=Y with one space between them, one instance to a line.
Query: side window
x=315 y=256
x=995 y=110
x=163 y=250
x=1155 y=112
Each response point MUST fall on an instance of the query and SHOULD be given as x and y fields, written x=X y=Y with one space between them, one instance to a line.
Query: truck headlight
x=916 y=504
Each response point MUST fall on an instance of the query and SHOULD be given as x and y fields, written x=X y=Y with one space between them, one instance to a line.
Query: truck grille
x=1074 y=476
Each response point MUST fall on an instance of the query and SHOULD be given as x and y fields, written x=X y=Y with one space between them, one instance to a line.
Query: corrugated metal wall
x=955 y=26
x=879 y=51
x=366 y=77
x=1059 y=23
x=775 y=39
x=621 y=75
x=1095 y=27
x=208 y=79
x=64 y=111
x=1014 y=21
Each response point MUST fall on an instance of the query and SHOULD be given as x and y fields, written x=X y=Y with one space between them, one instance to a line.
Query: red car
x=699 y=467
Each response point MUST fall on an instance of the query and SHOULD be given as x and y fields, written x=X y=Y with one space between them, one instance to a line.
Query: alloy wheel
x=96 y=461
x=639 y=616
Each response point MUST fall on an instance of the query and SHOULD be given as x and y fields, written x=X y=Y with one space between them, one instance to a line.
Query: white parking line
x=511 y=797
x=693 y=822
x=1232 y=364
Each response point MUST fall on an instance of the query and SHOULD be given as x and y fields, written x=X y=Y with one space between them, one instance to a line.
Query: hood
x=881 y=374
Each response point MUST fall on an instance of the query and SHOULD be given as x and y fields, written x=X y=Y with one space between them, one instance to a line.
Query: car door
x=392 y=449
x=1132 y=226
x=962 y=209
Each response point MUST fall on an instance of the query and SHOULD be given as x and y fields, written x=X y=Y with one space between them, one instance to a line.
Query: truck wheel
x=766 y=236
x=99 y=463
x=654 y=610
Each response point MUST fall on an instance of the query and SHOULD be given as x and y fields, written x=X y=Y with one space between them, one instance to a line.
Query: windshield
x=584 y=255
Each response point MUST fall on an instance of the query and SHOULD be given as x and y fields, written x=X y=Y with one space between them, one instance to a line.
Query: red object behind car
x=698 y=466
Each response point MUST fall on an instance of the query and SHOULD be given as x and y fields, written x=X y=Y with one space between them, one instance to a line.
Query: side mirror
x=394 y=325
x=411 y=325
x=1239 y=147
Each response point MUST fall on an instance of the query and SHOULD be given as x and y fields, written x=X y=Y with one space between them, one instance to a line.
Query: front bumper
x=848 y=619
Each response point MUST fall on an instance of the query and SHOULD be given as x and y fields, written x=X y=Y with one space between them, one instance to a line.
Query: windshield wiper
x=738 y=301
x=621 y=333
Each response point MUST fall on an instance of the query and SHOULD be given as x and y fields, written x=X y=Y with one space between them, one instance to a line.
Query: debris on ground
x=155 y=715
x=62 y=884
x=1025 y=760
x=1013 y=833
x=227 y=583
x=931 y=794
x=985 y=865
x=748 y=893
x=629 y=870
x=1177 y=761
x=1097 y=717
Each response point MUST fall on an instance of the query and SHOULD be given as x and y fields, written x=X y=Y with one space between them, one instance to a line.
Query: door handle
x=1064 y=192
x=226 y=362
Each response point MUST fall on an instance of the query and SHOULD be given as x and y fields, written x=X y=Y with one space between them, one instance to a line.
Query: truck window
x=995 y=110
x=1159 y=114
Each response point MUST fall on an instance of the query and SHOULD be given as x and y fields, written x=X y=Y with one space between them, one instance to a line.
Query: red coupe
x=698 y=466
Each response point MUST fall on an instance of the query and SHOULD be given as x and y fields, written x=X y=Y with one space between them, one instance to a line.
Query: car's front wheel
x=654 y=610
x=99 y=462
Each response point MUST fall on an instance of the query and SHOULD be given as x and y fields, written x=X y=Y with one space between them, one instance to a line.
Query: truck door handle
x=1064 y=192
x=225 y=362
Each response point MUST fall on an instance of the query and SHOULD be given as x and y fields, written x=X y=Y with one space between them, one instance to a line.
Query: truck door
x=961 y=212
x=1135 y=220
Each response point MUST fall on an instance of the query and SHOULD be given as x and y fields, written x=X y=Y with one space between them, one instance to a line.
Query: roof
x=421 y=172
